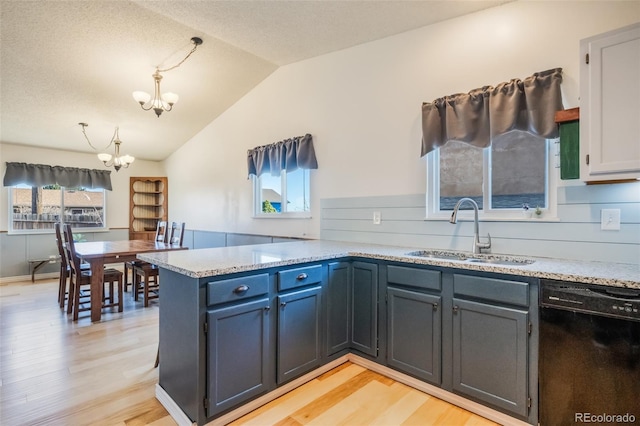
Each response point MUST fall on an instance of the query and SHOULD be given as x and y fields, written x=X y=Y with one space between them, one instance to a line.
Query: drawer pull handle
x=302 y=276
x=241 y=289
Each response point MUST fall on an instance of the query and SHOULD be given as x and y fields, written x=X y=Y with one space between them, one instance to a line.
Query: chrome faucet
x=477 y=245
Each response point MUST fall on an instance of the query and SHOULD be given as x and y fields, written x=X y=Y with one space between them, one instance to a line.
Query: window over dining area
x=41 y=195
x=35 y=208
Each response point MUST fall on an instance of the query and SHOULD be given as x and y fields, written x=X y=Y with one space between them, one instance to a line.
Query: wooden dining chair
x=80 y=278
x=176 y=233
x=65 y=270
x=146 y=275
x=162 y=235
x=64 y=266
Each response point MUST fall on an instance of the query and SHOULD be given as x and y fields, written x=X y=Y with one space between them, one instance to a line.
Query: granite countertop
x=201 y=263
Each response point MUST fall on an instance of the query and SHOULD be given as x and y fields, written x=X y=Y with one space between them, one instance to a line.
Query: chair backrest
x=74 y=261
x=177 y=233
x=60 y=243
x=161 y=231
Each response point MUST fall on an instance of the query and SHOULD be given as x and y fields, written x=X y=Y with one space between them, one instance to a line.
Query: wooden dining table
x=99 y=253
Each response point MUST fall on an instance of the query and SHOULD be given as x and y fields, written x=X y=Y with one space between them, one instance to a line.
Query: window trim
x=12 y=231
x=256 y=199
x=550 y=213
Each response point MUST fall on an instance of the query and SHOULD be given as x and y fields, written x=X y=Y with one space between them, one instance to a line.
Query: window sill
x=52 y=231
x=282 y=216
x=497 y=219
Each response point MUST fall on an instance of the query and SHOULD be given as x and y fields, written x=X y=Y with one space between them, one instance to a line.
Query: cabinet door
x=490 y=345
x=237 y=346
x=414 y=333
x=338 y=301
x=610 y=105
x=298 y=333
x=364 y=313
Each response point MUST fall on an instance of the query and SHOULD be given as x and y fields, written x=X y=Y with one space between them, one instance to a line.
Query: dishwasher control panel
x=601 y=300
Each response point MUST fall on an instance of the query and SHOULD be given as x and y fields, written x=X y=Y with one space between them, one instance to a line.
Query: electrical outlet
x=376 y=218
x=610 y=219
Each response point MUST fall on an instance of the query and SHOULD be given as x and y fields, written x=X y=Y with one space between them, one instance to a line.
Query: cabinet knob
x=455 y=309
x=283 y=304
x=267 y=308
x=241 y=289
x=302 y=276
x=435 y=307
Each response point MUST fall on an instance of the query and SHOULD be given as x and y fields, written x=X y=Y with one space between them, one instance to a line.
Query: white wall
x=362 y=106
x=117 y=200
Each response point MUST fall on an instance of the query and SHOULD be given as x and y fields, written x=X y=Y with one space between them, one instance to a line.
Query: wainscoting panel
x=18 y=249
x=577 y=234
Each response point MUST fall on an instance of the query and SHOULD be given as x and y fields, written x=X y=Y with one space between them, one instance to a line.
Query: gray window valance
x=69 y=177
x=478 y=116
x=289 y=154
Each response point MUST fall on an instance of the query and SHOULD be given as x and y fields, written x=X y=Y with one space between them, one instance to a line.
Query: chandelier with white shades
x=162 y=101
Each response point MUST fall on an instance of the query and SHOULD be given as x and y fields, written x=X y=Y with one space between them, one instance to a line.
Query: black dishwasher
x=589 y=366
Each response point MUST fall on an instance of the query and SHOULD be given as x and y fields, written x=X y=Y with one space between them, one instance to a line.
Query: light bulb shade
x=170 y=98
x=104 y=157
x=127 y=159
x=141 y=97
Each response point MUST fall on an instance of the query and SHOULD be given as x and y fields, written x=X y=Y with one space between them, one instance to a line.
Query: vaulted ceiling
x=65 y=62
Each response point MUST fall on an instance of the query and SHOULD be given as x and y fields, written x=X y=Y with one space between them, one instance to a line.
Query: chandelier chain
x=84 y=125
x=181 y=62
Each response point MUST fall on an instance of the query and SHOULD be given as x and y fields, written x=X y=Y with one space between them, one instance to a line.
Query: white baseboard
x=174 y=411
x=479 y=409
x=17 y=278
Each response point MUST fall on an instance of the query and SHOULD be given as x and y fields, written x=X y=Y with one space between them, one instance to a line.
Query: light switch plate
x=610 y=219
x=376 y=218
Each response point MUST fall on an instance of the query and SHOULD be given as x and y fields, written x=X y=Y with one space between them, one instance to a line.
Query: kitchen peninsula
x=240 y=324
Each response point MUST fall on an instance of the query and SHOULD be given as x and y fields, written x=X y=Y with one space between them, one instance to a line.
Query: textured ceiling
x=65 y=62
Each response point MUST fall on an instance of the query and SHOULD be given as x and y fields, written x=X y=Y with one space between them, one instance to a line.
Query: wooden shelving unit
x=147 y=205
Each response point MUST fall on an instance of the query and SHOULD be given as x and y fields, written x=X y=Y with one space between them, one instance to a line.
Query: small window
x=513 y=172
x=36 y=209
x=286 y=195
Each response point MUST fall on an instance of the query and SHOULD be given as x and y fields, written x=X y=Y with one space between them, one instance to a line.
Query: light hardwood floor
x=57 y=372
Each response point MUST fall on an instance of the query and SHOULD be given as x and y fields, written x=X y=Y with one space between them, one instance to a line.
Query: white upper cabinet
x=610 y=105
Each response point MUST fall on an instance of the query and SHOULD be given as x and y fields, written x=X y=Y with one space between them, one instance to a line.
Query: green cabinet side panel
x=570 y=150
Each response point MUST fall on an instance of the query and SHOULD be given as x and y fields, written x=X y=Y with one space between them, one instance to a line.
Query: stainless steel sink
x=472 y=258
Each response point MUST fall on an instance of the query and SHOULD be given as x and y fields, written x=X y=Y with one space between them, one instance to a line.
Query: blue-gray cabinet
x=338 y=308
x=238 y=346
x=364 y=313
x=298 y=333
x=414 y=333
x=299 y=347
x=414 y=322
x=225 y=340
x=352 y=308
x=238 y=340
x=491 y=330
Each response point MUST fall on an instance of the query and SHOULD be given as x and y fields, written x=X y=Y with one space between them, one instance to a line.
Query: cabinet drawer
x=237 y=289
x=492 y=289
x=298 y=277
x=414 y=277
